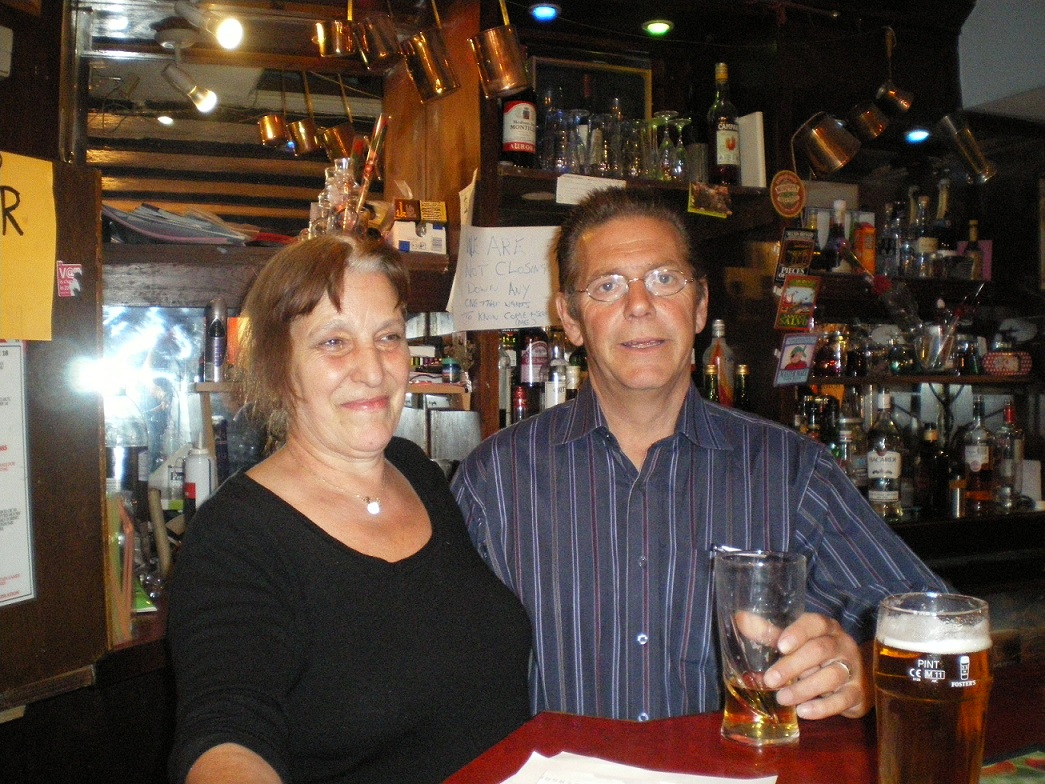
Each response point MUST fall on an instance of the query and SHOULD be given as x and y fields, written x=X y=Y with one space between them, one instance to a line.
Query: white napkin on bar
x=567 y=768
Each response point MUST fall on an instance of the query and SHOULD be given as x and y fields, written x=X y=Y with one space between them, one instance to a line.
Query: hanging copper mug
x=336 y=37
x=337 y=141
x=428 y=62
x=868 y=121
x=500 y=59
x=304 y=133
x=378 y=42
x=273 y=127
x=827 y=144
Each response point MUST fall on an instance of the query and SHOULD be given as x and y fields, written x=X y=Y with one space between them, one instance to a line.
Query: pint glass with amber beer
x=932 y=672
x=757 y=595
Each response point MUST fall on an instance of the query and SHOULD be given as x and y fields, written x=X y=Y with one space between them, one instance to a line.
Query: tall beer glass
x=757 y=595
x=932 y=672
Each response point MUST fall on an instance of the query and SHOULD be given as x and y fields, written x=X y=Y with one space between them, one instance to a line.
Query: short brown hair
x=290 y=285
x=605 y=205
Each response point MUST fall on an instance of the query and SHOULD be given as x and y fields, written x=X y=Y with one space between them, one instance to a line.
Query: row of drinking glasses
x=334 y=210
x=576 y=141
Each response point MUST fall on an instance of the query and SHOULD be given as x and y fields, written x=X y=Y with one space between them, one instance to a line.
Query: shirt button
x=642 y=561
x=642 y=638
x=643 y=716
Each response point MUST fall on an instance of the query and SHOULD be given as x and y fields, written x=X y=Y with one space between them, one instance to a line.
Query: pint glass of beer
x=757 y=595
x=932 y=673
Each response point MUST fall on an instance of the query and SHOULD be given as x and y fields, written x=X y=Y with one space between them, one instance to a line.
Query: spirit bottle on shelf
x=885 y=453
x=720 y=355
x=1008 y=462
x=979 y=463
x=723 y=133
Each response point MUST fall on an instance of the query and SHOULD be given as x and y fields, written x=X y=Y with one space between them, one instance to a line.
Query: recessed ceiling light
x=545 y=12
x=916 y=135
x=658 y=27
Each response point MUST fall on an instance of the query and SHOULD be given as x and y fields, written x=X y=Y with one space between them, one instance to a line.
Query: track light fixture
x=174 y=33
x=227 y=30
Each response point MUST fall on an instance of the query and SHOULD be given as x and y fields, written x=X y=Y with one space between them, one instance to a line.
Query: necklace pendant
x=373 y=505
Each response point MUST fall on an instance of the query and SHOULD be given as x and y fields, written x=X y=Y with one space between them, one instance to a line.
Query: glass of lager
x=757 y=595
x=932 y=673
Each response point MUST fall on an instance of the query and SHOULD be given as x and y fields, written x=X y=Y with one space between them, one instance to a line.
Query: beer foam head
x=934 y=623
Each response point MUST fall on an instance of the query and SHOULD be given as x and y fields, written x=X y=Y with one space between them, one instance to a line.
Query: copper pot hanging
x=868 y=121
x=378 y=42
x=500 y=59
x=428 y=62
x=337 y=141
x=827 y=145
x=336 y=37
x=272 y=128
x=304 y=133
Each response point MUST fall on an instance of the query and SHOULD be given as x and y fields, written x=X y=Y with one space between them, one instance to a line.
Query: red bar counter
x=829 y=751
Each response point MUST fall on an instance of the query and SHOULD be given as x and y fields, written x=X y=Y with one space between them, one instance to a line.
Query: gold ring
x=844 y=666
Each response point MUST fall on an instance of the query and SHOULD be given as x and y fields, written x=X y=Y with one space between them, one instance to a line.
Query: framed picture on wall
x=594 y=86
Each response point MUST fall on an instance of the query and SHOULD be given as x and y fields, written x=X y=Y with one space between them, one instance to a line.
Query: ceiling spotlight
x=165 y=119
x=545 y=12
x=227 y=30
x=204 y=99
x=916 y=135
x=658 y=27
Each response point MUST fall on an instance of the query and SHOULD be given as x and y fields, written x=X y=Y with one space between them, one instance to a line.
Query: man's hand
x=826 y=672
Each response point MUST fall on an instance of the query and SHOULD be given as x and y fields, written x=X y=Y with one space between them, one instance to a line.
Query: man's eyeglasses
x=662 y=282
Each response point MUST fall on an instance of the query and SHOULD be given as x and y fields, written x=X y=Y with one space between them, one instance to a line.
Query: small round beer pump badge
x=787 y=194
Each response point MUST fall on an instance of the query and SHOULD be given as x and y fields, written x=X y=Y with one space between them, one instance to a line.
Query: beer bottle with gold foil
x=711 y=382
x=741 y=396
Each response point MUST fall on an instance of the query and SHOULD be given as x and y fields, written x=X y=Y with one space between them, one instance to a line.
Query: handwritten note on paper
x=505 y=278
x=567 y=768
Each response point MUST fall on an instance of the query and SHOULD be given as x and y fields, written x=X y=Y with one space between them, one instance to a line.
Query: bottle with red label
x=534 y=355
x=519 y=129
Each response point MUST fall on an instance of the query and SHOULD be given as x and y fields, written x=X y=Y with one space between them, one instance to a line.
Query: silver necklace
x=372 y=502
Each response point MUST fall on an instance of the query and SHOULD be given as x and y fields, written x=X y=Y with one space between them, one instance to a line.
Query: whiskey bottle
x=723 y=133
x=979 y=463
x=885 y=453
x=720 y=355
x=1008 y=462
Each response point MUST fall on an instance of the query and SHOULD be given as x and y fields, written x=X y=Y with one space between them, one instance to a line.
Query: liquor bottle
x=852 y=454
x=925 y=244
x=711 y=385
x=507 y=360
x=887 y=256
x=931 y=476
x=943 y=231
x=555 y=381
x=912 y=436
x=720 y=355
x=519 y=129
x=522 y=405
x=908 y=257
x=576 y=371
x=199 y=478
x=533 y=363
x=885 y=453
x=817 y=262
x=1008 y=462
x=741 y=393
x=723 y=133
x=979 y=463
x=973 y=252
x=837 y=255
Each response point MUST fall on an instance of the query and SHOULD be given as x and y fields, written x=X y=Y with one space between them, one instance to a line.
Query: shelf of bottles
x=909 y=380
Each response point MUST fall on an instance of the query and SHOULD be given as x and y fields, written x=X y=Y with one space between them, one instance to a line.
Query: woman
x=329 y=617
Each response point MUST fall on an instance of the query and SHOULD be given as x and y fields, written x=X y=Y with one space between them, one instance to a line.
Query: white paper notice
x=16 y=541
x=572 y=188
x=505 y=278
x=567 y=768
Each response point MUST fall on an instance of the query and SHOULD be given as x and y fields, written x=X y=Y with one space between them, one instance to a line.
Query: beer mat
x=1024 y=767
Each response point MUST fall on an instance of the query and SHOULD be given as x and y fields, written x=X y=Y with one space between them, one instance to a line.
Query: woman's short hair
x=292 y=284
x=608 y=204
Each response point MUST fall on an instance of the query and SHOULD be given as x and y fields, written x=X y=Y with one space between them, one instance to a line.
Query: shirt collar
x=697 y=420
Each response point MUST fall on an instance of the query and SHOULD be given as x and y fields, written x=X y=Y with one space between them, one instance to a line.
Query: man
x=602 y=513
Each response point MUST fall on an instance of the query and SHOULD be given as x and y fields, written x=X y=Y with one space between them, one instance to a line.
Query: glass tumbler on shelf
x=602 y=134
x=678 y=163
x=555 y=142
x=578 y=122
x=633 y=150
x=664 y=122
